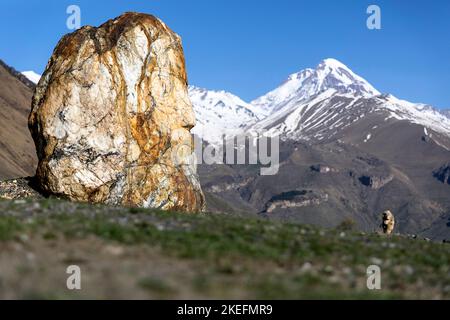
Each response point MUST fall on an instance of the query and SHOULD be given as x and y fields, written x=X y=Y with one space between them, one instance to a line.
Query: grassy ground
x=138 y=253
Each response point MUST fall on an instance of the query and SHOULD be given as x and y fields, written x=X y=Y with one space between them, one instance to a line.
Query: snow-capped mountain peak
x=335 y=75
x=300 y=86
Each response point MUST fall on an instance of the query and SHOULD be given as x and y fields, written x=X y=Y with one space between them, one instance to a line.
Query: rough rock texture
x=111 y=117
x=323 y=168
x=376 y=181
x=443 y=173
x=18 y=189
x=388 y=222
x=295 y=199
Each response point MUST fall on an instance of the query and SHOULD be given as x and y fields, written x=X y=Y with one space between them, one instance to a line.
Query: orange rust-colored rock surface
x=111 y=118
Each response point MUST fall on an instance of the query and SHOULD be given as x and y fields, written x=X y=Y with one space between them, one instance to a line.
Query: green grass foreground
x=140 y=253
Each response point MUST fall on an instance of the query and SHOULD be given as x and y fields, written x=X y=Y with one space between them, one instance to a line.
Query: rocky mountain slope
x=17 y=155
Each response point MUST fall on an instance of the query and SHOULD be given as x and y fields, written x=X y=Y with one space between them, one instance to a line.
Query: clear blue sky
x=249 y=47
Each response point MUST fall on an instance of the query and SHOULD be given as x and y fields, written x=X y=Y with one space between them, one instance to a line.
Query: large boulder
x=111 y=118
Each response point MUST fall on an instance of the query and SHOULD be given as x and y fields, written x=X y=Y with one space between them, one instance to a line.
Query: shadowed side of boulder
x=22 y=188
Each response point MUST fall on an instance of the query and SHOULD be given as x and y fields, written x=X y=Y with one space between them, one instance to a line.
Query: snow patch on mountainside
x=325 y=115
x=32 y=76
x=288 y=119
x=417 y=113
x=220 y=114
x=446 y=113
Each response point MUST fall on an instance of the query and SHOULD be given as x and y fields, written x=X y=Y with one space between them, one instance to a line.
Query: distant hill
x=17 y=151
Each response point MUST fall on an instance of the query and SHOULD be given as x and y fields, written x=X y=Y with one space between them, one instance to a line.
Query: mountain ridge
x=17 y=156
x=20 y=76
